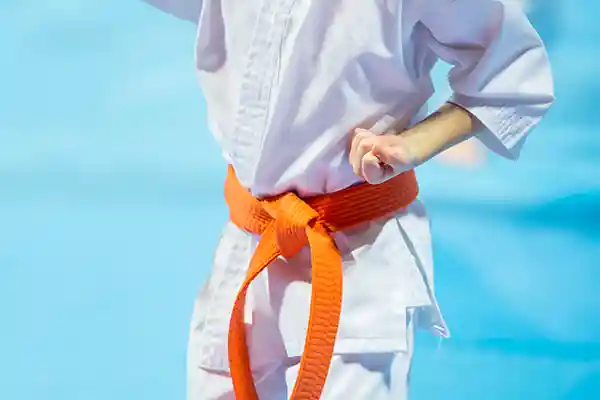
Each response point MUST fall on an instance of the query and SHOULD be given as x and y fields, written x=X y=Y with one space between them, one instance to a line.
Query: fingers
x=362 y=143
x=378 y=158
x=384 y=153
x=373 y=170
x=364 y=163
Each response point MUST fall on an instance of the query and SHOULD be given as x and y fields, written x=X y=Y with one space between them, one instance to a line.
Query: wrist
x=417 y=145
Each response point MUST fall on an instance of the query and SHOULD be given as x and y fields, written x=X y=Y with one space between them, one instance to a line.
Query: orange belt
x=286 y=224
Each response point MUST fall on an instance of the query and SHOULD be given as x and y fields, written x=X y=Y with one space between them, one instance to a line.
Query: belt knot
x=291 y=217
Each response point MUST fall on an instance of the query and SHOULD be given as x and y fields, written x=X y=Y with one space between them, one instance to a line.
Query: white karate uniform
x=285 y=83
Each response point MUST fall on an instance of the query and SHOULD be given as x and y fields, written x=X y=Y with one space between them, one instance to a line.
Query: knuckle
x=361 y=134
x=365 y=145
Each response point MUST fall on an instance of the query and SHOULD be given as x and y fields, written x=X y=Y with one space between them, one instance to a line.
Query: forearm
x=500 y=70
x=441 y=130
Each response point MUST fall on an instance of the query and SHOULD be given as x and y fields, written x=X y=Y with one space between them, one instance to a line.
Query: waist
x=314 y=180
x=307 y=161
x=338 y=210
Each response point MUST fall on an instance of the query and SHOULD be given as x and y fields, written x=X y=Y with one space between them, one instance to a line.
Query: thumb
x=372 y=169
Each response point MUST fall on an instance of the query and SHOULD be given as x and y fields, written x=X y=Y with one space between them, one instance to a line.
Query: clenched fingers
x=362 y=144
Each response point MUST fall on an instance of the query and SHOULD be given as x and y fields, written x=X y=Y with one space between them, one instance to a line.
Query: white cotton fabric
x=286 y=82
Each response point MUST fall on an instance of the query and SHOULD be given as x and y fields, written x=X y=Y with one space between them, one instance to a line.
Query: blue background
x=110 y=201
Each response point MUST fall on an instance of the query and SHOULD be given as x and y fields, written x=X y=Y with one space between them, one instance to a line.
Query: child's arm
x=378 y=158
x=501 y=80
x=443 y=129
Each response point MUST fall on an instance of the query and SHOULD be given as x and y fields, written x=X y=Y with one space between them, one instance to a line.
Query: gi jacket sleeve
x=188 y=10
x=501 y=72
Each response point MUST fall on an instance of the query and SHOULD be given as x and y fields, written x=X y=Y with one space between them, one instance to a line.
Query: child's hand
x=379 y=158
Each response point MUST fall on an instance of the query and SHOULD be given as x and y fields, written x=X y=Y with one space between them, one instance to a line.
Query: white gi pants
x=368 y=376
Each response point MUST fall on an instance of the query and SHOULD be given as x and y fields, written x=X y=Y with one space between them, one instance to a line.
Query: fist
x=379 y=158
